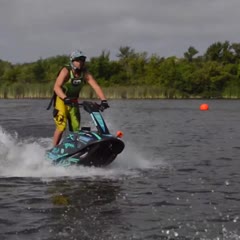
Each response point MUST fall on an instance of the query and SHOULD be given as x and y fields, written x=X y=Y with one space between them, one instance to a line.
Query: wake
x=26 y=158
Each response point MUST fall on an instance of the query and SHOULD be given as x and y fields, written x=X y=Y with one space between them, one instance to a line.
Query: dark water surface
x=178 y=177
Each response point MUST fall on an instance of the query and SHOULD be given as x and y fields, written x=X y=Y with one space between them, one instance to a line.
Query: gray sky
x=33 y=29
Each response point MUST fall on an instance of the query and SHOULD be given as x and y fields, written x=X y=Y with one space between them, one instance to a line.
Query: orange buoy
x=119 y=134
x=204 y=107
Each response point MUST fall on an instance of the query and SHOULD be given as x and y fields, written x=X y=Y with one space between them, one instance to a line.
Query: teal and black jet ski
x=85 y=147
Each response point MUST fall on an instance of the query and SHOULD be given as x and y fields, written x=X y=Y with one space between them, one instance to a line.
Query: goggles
x=80 y=59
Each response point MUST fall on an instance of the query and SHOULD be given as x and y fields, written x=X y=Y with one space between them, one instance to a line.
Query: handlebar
x=88 y=106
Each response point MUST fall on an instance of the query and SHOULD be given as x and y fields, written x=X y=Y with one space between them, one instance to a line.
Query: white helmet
x=77 y=55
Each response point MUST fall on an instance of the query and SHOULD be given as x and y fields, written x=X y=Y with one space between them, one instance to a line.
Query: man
x=67 y=87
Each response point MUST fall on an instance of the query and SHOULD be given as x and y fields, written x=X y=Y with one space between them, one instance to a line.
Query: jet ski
x=86 y=147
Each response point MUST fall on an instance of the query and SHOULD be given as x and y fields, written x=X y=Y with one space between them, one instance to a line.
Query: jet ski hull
x=87 y=149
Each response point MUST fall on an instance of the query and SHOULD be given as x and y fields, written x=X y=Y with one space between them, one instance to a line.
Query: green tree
x=169 y=76
x=220 y=52
x=152 y=70
x=125 y=55
x=100 y=67
x=190 y=54
x=236 y=51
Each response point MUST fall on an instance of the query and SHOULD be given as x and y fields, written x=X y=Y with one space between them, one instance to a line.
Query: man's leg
x=57 y=137
x=74 y=119
x=60 y=118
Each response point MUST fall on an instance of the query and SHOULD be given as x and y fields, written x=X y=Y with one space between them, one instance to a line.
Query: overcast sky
x=33 y=29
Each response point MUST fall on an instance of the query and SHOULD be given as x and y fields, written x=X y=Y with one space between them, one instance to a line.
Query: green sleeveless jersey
x=73 y=86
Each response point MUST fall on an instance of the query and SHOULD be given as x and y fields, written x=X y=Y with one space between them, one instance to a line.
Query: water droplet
x=235 y=219
x=227 y=182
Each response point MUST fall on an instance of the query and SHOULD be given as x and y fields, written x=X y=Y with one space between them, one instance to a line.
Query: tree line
x=215 y=74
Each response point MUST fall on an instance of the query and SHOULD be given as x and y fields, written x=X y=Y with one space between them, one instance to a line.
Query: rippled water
x=178 y=177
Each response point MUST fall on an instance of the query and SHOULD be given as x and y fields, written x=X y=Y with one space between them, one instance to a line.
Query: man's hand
x=104 y=105
x=68 y=101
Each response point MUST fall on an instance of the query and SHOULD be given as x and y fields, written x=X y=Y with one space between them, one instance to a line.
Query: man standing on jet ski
x=67 y=87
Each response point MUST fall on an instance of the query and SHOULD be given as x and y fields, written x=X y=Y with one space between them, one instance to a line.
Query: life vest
x=74 y=84
x=72 y=87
